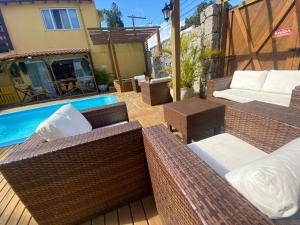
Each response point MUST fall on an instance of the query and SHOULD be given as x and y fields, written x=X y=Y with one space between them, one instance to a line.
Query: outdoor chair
x=71 y=180
x=156 y=91
x=189 y=187
x=126 y=84
x=136 y=82
x=279 y=87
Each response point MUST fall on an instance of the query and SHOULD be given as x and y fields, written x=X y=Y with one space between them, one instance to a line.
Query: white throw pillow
x=272 y=184
x=160 y=80
x=140 y=79
x=248 y=79
x=282 y=81
x=66 y=121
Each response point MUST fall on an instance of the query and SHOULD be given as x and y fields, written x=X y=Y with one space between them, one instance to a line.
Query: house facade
x=45 y=47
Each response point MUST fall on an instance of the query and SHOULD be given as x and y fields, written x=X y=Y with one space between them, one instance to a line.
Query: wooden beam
x=293 y=42
x=158 y=40
x=223 y=36
x=175 y=40
x=112 y=60
x=91 y=62
x=145 y=49
x=116 y=64
x=228 y=43
x=248 y=39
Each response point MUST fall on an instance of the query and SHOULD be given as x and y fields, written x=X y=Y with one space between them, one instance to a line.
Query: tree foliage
x=195 y=18
x=113 y=16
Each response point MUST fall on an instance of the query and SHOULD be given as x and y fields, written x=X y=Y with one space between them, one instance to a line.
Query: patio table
x=194 y=115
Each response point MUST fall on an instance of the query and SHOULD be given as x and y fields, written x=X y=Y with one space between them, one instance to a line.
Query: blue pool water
x=16 y=127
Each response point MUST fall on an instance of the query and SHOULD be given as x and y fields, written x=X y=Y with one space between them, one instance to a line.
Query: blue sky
x=150 y=9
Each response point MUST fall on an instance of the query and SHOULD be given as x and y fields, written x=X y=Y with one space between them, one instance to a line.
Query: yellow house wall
x=27 y=32
x=131 y=59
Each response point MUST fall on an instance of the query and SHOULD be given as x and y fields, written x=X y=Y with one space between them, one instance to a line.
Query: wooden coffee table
x=193 y=116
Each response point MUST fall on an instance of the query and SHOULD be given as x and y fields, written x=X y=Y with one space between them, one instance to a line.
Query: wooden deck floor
x=142 y=212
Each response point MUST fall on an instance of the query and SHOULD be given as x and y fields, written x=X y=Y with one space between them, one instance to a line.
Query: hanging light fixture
x=167 y=11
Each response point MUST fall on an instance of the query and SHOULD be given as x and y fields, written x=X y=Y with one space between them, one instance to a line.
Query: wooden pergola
x=110 y=37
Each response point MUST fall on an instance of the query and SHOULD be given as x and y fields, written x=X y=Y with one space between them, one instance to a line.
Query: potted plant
x=103 y=79
x=193 y=64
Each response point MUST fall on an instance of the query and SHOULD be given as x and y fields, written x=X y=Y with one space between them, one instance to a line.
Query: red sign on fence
x=282 y=32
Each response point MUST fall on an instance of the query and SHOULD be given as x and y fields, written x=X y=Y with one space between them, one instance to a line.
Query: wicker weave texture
x=295 y=100
x=73 y=179
x=217 y=85
x=127 y=85
x=187 y=191
x=263 y=125
x=155 y=94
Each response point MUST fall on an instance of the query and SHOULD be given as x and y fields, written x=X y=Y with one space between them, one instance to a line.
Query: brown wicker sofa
x=155 y=93
x=73 y=179
x=188 y=192
x=220 y=84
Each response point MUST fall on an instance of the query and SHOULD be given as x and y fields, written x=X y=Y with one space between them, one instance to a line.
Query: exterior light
x=167 y=11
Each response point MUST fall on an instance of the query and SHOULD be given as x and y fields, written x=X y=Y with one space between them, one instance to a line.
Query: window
x=60 y=19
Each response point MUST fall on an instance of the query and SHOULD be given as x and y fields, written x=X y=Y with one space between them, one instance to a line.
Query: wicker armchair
x=156 y=93
x=220 y=84
x=135 y=84
x=189 y=192
x=73 y=179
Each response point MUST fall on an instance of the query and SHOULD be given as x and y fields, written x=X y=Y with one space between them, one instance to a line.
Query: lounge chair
x=188 y=191
x=73 y=179
x=156 y=91
x=277 y=87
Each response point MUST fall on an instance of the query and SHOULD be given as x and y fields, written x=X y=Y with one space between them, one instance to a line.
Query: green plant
x=113 y=16
x=193 y=60
x=15 y=70
x=102 y=77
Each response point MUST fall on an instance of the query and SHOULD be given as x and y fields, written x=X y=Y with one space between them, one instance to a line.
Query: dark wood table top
x=191 y=106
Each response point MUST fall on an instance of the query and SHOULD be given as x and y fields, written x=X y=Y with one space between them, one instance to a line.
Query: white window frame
x=52 y=19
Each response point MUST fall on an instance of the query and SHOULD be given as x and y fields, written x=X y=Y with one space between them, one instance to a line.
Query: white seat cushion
x=281 y=81
x=272 y=183
x=248 y=79
x=225 y=152
x=160 y=80
x=66 y=121
x=243 y=96
x=140 y=79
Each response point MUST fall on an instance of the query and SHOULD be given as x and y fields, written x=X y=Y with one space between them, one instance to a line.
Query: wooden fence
x=263 y=35
x=8 y=95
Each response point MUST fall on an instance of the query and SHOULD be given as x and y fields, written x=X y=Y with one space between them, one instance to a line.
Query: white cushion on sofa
x=248 y=79
x=272 y=184
x=160 y=80
x=140 y=79
x=243 y=96
x=225 y=152
x=66 y=121
x=281 y=81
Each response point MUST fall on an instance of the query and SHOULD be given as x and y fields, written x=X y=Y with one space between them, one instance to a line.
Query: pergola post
x=158 y=40
x=175 y=40
x=116 y=65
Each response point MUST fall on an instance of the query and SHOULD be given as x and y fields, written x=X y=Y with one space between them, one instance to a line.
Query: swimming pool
x=16 y=127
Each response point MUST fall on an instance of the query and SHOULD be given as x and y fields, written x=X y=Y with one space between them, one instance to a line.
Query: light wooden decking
x=142 y=212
